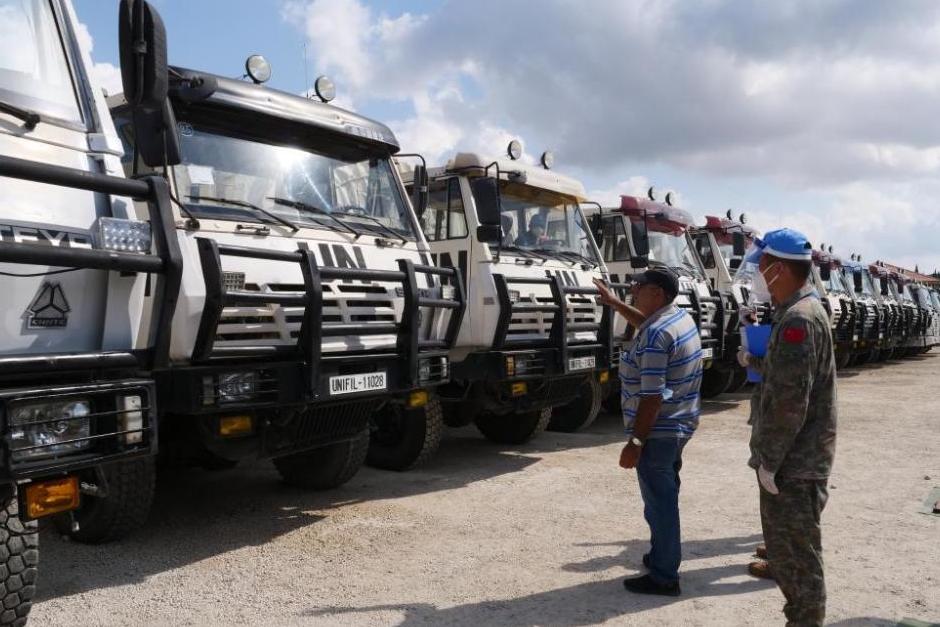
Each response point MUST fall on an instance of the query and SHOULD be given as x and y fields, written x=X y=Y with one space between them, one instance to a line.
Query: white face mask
x=760 y=287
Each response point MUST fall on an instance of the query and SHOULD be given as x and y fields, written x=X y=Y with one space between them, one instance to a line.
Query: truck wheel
x=738 y=380
x=130 y=486
x=611 y=402
x=715 y=381
x=19 y=564
x=514 y=428
x=581 y=412
x=404 y=438
x=326 y=467
x=843 y=358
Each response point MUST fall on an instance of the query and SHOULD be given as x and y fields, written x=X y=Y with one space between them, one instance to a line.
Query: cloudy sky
x=815 y=114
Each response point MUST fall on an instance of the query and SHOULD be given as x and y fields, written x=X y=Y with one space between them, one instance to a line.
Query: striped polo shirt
x=664 y=358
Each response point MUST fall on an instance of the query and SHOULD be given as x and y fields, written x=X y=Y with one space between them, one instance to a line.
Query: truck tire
x=326 y=467
x=715 y=381
x=405 y=438
x=738 y=381
x=19 y=564
x=611 y=402
x=843 y=358
x=130 y=487
x=581 y=412
x=514 y=428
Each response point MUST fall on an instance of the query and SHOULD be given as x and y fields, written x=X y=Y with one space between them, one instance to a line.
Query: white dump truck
x=721 y=245
x=309 y=320
x=89 y=278
x=535 y=348
x=870 y=314
x=642 y=232
x=836 y=297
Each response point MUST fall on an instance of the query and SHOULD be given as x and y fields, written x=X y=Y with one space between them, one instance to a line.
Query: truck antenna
x=306 y=78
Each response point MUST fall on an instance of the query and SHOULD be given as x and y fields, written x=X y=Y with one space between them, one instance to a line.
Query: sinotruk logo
x=49 y=310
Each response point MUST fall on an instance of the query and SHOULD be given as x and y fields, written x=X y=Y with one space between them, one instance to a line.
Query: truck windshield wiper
x=302 y=206
x=571 y=253
x=376 y=221
x=248 y=205
x=30 y=118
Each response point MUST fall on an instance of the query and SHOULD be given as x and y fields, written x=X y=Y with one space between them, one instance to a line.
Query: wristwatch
x=637 y=442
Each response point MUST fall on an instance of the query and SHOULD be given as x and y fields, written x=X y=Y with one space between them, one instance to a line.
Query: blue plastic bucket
x=758 y=336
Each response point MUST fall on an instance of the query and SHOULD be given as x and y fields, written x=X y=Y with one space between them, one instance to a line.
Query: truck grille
x=537 y=325
x=343 y=303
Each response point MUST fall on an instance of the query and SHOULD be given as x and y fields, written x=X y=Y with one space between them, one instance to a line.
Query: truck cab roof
x=535 y=176
x=660 y=217
x=724 y=227
x=276 y=115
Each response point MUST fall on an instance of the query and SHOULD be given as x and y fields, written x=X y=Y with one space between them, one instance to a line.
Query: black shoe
x=646 y=560
x=646 y=585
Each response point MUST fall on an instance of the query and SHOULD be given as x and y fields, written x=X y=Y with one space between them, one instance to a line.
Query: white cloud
x=833 y=100
x=105 y=75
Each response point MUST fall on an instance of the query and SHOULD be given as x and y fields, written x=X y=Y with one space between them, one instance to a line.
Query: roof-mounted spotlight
x=822 y=246
x=258 y=69
x=514 y=150
x=324 y=88
x=548 y=159
x=669 y=198
x=742 y=218
x=651 y=193
x=728 y=213
x=830 y=248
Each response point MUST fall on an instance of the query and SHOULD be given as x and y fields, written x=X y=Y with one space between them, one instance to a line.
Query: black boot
x=646 y=585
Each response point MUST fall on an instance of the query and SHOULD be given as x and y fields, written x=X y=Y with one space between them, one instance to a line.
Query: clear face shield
x=749 y=276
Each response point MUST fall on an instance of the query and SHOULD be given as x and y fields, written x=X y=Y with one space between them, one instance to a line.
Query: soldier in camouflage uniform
x=794 y=430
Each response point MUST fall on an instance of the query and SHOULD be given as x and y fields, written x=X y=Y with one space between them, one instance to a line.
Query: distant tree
x=916 y=269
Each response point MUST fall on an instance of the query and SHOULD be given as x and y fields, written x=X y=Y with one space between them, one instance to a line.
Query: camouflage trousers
x=790 y=521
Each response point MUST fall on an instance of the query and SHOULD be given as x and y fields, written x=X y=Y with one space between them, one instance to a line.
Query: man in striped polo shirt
x=660 y=375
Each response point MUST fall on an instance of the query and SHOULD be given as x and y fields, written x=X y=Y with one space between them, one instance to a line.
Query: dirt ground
x=538 y=535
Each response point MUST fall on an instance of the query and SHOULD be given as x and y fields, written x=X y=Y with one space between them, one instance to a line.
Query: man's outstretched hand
x=607 y=297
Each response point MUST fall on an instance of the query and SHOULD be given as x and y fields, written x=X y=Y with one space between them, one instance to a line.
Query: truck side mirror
x=734 y=264
x=857 y=281
x=639 y=262
x=884 y=287
x=486 y=197
x=641 y=239
x=145 y=80
x=825 y=272
x=419 y=190
x=489 y=233
x=738 y=243
x=597 y=228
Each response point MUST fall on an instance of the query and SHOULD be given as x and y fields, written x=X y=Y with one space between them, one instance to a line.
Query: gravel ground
x=538 y=535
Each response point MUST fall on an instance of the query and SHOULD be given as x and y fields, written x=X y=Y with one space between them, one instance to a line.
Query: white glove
x=744 y=358
x=766 y=479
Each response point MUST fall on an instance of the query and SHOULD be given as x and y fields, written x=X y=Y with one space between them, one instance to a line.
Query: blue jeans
x=658 y=475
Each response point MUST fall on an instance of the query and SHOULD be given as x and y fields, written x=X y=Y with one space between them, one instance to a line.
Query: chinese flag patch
x=794 y=335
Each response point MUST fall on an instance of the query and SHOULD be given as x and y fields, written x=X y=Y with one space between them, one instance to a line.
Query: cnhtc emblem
x=49 y=310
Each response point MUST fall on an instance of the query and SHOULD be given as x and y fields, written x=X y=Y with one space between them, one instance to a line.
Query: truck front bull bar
x=558 y=333
x=312 y=329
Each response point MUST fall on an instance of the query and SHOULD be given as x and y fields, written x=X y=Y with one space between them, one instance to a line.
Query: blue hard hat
x=785 y=244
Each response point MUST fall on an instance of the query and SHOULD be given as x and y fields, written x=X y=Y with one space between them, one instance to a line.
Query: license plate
x=580 y=363
x=353 y=383
x=707 y=353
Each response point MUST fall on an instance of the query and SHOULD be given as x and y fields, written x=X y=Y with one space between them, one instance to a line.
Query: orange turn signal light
x=604 y=376
x=52 y=497
x=417 y=398
x=519 y=388
x=231 y=426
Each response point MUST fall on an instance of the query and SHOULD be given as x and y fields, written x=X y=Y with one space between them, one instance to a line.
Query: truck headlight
x=237 y=386
x=424 y=370
x=125 y=236
x=50 y=425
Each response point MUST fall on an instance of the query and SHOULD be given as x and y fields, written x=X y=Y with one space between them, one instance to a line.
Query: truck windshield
x=220 y=177
x=835 y=283
x=673 y=250
x=922 y=298
x=935 y=300
x=543 y=220
x=867 y=288
x=34 y=70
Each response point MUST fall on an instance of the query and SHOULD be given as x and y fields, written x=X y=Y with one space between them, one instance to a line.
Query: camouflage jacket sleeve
x=788 y=371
